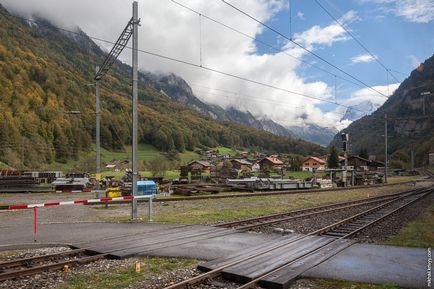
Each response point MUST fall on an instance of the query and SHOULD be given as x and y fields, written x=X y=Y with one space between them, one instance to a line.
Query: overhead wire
x=301 y=46
x=355 y=39
x=275 y=48
x=191 y=64
x=206 y=89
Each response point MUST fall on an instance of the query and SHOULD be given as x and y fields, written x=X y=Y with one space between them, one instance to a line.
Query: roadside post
x=34 y=223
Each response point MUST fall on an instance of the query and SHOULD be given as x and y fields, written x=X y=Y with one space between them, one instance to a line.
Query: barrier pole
x=34 y=223
x=150 y=209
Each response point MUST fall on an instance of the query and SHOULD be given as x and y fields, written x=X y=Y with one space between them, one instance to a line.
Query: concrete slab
x=406 y=267
x=86 y=234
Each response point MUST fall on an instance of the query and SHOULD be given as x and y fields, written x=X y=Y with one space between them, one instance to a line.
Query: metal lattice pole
x=385 y=148
x=97 y=139
x=134 y=144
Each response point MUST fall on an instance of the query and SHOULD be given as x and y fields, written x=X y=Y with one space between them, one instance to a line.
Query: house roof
x=242 y=161
x=321 y=161
x=203 y=163
x=369 y=162
x=356 y=157
x=273 y=160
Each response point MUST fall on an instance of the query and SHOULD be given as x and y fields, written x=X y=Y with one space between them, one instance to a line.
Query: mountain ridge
x=44 y=73
x=409 y=128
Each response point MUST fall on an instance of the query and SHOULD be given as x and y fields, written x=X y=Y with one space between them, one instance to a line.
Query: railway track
x=267 y=220
x=255 y=194
x=35 y=265
x=341 y=230
x=384 y=206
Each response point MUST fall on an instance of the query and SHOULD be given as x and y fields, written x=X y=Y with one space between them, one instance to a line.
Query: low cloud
x=363 y=99
x=170 y=30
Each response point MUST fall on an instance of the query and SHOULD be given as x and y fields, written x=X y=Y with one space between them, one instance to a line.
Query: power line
x=201 y=67
x=275 y=48
x=302 y=47
x=355 y=39
x=206 y=90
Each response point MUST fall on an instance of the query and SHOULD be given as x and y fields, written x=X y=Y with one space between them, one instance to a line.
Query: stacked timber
x=16 y=181
x=195 y=189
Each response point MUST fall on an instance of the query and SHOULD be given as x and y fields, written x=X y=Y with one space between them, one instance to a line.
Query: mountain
x=410 y=113
x=275 y=128
x=314 y=133
x=356 y=111
x=45 y=72
x=178 y=90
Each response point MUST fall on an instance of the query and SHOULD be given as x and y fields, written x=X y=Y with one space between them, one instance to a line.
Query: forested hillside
x=46 y=72
x=410 y=113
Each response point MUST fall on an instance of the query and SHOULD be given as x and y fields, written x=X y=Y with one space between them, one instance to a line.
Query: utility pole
x=97 y=138
x=345 y=139
x=135 y=24
x=412 y=158
x=385 y=147
x=130 y=30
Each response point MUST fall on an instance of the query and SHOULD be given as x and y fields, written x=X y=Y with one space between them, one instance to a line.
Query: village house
x=358 y=163
x=244 y=154
x=312 y=164
x=431 y=158
x=270 y=163
x=256 y=167
x=203 y=166
x=241 y=164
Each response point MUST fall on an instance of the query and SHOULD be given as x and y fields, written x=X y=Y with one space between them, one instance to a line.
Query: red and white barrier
x=29 y=206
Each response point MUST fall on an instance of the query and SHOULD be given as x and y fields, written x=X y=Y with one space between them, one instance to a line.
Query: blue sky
x=400 y=33
x=398 y=42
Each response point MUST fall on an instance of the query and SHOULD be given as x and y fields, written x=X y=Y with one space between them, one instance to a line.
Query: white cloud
x=363 y=58
x=420 y=11
x=327 y=35
x=173 y=31
x=414 y=61
x=300 y=15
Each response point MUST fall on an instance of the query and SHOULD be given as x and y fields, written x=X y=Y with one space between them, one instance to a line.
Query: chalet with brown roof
x=312 y=164
x=203 y=166
x=359 y=163
x=241 y=164
x=269 y=163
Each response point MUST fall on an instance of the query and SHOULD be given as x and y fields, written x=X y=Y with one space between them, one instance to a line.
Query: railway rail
x=34 y=265
x=272 y=219
x=384 y=206
x=336 y=232
x=241 y=195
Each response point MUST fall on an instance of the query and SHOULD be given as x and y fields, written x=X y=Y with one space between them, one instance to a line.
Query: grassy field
x=336 y=284
x=418 y=233
x=188 y=156
x=124 y=277
x=226 y=151
x=206 y=211
x=3 y=165
x=400 y=179
x=144 y=153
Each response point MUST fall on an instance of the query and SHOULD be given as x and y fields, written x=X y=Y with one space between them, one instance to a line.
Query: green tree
x=364 y=153
x=333 y=159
